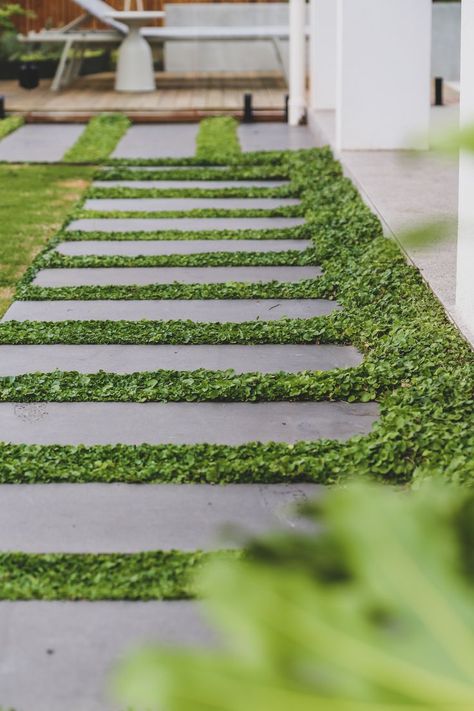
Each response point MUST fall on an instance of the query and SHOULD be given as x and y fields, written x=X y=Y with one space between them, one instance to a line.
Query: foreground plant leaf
x=374 y=613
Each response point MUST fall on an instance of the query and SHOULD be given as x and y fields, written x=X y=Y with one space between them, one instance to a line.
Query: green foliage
x=99 y=139
x=156 y=575
x=217 y=140
x=8 y=11
x=10 y=124
x=372 y=612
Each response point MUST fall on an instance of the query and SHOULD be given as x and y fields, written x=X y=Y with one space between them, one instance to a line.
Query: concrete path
x=15 y=360
x=57 y=655
x=182 y=224
x=184 y=204
x=107 y=276
x=158 y=141
x=188 y=184
x=39 y=143
x=275 y=137
x=131 y=248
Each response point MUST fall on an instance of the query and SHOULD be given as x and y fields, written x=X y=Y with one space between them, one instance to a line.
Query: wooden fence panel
x=55 y=13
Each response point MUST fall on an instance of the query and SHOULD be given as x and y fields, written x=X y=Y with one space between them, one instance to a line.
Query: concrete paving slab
x=121 y=518
x=182 y=224
x=15 y=360
x=231 y=423
x=177 y=140
x=275 y=137
x=184 y=204
x=168 y=167
x=105 y=276
x=136 y=248
x=39 y=143
x=57 y=656
x=188 y=184
x=233 y=310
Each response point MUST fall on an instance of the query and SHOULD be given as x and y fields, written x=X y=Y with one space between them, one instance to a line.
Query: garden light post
x=297 y=70
x=465 y=255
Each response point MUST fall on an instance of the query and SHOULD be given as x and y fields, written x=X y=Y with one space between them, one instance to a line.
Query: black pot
x=29 y=76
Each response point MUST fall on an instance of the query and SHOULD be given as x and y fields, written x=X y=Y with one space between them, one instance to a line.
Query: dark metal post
x=287 y=98
x=248 y=110
x=2 y=107
x=439 y=91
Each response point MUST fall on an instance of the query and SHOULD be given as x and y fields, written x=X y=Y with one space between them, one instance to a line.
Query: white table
x=135 y=61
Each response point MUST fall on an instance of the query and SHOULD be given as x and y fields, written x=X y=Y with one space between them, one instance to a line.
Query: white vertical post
x=297 y=73
x=465 y=255
x=384 y=72
x=323 y=54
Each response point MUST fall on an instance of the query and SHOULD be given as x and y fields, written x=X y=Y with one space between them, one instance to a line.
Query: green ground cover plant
x=34 y=202
x=10 y=124
x=155 y=575
x=217 y=140
x=416 y=364
x=372 y=612
x=99 y=139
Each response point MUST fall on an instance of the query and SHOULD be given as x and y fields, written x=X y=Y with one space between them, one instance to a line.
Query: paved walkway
x=39 y=143
x=54 y=656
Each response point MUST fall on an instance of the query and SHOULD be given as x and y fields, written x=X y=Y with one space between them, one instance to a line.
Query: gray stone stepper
x=58 y=656
x=185 y=204
x=136 y=248
x=231 y=423
x=142 y=276
x=199 y=311
x=188 y=184
x=124 y=518
x=182 y=224
x=15 y=360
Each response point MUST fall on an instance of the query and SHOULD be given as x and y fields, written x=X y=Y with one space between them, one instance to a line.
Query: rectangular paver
x=58 y=656
x=186 y=224
x=231 y=423
x=275 y=137
x=121 y=518
x=39 y=143
x=185 y=203
x=158 y=141
x=204 y=311
x=105 y=276
x=15 y=360
x=135 y=248
x=188 y=184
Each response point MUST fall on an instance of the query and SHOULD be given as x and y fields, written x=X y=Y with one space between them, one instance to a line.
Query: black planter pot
x=47 y=68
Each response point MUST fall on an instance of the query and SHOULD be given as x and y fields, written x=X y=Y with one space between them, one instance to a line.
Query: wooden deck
x=179 y=97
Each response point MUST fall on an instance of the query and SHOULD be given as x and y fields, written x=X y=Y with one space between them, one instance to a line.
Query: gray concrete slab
x=274 y=137
x=184 y=204
x=136 y=248
x=121 y=518
x=230 y=423
x=39 y=143
x=176 y=140
x=105 y=276
x=58 y=656
x=168 y=167
x=186 y=224
x=233 y=310
x=15 y=360
x=188 y=184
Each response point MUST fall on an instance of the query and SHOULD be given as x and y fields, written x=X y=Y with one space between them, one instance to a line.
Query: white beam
x=465 y=256
x=323 y=54
x=297 y=71
x=383 y=76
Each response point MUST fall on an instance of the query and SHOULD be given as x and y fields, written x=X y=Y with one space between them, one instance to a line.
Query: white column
x=383 y=74
x=465 y=270
x=297 y=73
x=323 y=54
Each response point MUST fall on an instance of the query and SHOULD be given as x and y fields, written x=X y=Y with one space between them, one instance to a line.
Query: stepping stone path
x=37 y=143
x=56 y=655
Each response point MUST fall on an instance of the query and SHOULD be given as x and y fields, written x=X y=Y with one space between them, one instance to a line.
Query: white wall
x=465 y=271
x=383 y=76
x=323 y=54
x=445 y=59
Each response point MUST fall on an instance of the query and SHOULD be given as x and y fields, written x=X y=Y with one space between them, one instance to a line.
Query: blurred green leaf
x=392 y=630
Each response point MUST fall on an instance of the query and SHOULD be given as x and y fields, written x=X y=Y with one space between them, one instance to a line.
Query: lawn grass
x=35 y=201
x=99 y=139
x=7 y=126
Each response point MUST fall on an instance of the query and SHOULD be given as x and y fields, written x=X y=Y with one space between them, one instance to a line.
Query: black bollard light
x=439 y=91
x=2 y=107
x=248 y=109
x=287 y=98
